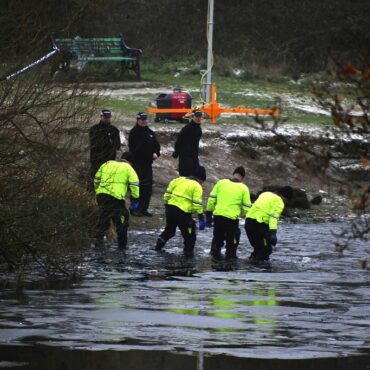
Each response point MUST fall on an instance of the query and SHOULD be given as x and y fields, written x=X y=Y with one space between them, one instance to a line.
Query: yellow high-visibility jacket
x=114 y=178
x=267 y=209
x=228 y=198
x=185 y=193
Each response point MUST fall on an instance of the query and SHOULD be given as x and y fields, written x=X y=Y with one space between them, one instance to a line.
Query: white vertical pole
x=209 y=54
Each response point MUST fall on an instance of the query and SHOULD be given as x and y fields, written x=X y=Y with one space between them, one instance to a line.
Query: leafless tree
x=45 y=211
x=350 y=110
x=346 y=94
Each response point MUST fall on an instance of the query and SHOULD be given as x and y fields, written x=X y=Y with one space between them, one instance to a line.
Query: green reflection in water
x=227 y=304
x=185 y=311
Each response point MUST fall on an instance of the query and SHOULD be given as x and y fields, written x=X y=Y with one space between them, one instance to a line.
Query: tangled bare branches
x=44 y=209
x=346 y=94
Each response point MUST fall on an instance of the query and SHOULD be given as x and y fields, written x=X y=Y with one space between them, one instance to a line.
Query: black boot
x=160 y=244
x=230 y=253
x=253 y=257
x=188 y=252
x=216 y=253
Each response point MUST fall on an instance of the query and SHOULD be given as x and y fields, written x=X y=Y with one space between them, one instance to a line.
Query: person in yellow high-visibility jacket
x=111 y=182
x=262 y=220
x=225 y=203
x=183 y=197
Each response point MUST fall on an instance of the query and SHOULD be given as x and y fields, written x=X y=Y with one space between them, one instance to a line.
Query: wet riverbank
x=269 y=161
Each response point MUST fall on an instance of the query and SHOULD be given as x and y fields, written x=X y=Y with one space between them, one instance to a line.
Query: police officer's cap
x=197 y=113
x=106 y=113
x=142 y=115
x=240 y=170
x=127 y=156
x=200 y=173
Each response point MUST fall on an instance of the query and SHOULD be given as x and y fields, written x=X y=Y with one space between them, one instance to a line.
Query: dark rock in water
x=316 y=200
x=299 y=199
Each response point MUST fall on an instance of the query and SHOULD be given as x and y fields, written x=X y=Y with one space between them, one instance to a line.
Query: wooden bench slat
x=103 y=59
x=99 y=49
x=98 y=39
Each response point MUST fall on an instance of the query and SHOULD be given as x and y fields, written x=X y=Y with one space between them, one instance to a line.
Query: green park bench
x=84 y=50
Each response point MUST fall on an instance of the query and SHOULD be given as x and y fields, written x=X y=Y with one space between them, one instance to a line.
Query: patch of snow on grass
x=290 y=101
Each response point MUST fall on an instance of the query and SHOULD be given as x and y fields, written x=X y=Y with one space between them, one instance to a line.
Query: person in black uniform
x=145 y=149
x=187 y=145
x=104 y=142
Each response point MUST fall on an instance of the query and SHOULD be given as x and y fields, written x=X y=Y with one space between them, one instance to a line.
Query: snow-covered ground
x=290 y=101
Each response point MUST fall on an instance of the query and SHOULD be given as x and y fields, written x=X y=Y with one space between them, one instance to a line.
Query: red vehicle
x=176 y=99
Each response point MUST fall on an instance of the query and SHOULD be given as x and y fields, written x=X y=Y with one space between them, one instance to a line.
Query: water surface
x=308 y=303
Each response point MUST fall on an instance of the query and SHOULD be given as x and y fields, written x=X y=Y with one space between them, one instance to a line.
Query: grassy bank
x=297 y=96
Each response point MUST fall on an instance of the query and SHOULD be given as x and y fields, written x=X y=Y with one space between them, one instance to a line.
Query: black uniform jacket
x=187 y=143
x=104 y=142
x=142 y=143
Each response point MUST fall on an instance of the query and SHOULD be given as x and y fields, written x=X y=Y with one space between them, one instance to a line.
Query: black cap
x=200 y=173
x=128 y=156
x=286 y=192
x=197 y=113
x=106 y=113
x=240 y=170
x=141 y=115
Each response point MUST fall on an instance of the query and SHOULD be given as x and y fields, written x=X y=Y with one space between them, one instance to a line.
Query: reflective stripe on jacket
x=185 y=193
x=114 y=178
x=267 y=209
x=228 y=197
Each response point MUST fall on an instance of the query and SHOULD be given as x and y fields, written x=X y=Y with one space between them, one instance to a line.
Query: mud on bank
x=271 y=160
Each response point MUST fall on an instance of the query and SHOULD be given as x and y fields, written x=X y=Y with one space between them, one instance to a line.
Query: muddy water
x=140 y=309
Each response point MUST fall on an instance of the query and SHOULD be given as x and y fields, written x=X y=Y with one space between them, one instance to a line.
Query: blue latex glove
x=134 y=205
x=272 y=237
x=202 y=224
x=209 y=219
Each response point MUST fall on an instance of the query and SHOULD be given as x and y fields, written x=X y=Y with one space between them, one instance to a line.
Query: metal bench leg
x=137 y=71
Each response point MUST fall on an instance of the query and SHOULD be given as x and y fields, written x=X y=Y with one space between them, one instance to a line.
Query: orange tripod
x=213 y=109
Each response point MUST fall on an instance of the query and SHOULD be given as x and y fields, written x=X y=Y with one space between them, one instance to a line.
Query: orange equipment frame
x=213 y=109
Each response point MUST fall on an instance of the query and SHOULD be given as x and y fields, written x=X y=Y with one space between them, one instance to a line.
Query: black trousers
x=257 y=236
x=225 y=230
x=188 y=165
x=113 y=209
x=145 y=174
x=175 y=217
x=93 y=170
